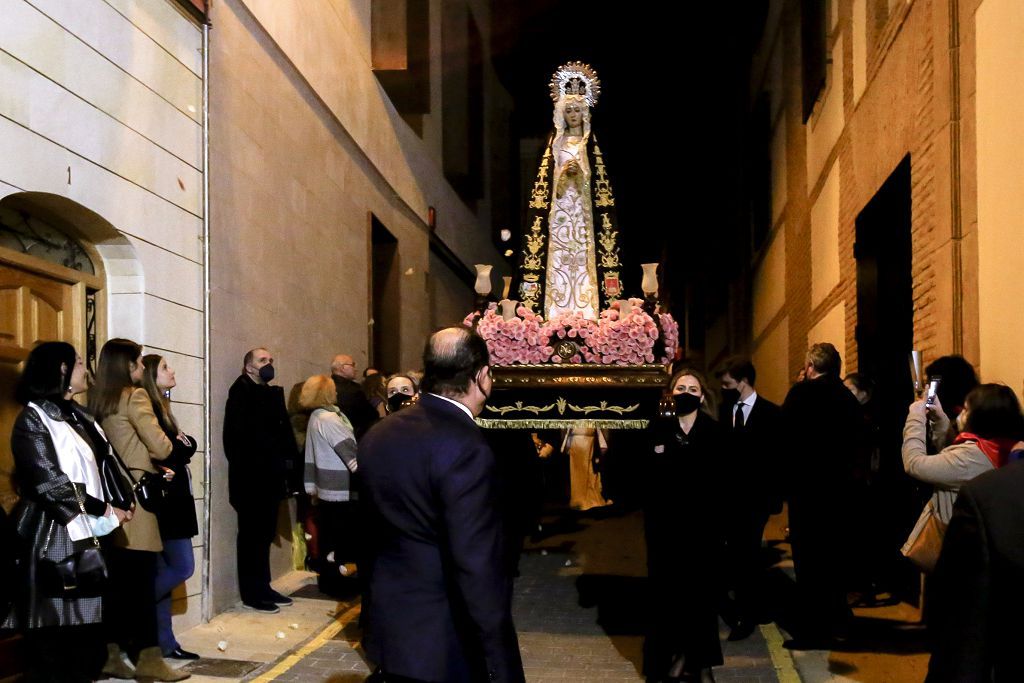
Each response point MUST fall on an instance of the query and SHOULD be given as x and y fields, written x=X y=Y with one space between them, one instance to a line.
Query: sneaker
x=277 y=599
x=262 y=606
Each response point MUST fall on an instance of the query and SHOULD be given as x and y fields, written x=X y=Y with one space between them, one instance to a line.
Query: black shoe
x=262 y=606
x=742 y=630
x=278 y=599
x=178 y=653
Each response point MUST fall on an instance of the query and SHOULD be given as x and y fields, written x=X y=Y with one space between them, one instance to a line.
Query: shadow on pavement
x=621 y=602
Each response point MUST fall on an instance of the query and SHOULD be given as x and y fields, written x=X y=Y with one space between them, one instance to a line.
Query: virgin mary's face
x=574 y=114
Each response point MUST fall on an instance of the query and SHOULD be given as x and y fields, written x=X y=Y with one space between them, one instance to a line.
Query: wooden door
x=33 y=308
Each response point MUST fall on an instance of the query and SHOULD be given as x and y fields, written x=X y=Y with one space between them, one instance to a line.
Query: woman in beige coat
x=126 y=414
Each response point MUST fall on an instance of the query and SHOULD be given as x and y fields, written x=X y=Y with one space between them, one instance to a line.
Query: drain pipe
x=207 y=608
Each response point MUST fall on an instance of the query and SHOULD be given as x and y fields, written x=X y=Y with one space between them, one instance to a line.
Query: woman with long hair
x=684 y=538
x=58 y=451
x=124 y=409
x=177 y=517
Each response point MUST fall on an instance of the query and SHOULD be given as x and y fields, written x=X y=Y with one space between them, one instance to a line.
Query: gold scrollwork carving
x=518 y=406
x=603 y=186
x=561 y=405
x=539 y=197
x=603 y=406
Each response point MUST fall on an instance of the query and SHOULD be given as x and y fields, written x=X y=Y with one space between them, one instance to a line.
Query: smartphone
x=933 y=388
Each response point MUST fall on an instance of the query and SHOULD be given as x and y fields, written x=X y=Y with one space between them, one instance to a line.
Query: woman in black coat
x=57 y=451
x=177 y=517
x=684 y=539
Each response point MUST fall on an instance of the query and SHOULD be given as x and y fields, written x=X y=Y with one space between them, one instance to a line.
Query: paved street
x=578 y=610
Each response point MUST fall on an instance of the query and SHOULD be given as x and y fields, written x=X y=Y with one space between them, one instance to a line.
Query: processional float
x=571 y=351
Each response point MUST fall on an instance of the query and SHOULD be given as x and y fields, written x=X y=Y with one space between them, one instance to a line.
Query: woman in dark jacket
x=684 y=541
x=177 y=518
x=57 y=450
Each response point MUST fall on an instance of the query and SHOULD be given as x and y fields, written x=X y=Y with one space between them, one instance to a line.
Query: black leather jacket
x=47 y=502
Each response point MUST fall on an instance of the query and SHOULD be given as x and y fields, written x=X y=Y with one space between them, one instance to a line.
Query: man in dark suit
x=438 y=600
x=752 y=423
x=824 y=432
x=977 y=591
x=351 y=399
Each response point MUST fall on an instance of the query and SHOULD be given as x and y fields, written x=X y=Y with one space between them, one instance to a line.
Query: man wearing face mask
x=438 y=601
x=752 y=425
x=259 y=446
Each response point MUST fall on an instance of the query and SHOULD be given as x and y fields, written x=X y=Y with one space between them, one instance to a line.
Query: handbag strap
x=49 y=537
x=85 y=515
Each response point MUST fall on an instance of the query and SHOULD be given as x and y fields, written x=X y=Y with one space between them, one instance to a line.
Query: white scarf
x=78 y=462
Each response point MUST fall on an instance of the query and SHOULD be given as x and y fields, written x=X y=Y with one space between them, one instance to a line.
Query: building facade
x=332 y=201
x=884 y=152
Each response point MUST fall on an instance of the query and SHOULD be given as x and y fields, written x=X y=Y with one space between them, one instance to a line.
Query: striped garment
x=330 y=456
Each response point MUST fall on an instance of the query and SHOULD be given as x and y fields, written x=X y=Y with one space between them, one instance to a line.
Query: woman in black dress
x=682 y=494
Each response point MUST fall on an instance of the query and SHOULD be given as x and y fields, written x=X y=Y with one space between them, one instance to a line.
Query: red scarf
x=997 y=450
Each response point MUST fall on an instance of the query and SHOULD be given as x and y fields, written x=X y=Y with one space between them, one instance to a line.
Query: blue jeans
x=175 y=564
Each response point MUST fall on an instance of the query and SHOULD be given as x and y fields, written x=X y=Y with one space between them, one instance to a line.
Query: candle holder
x=482 y=286
x=649 y=285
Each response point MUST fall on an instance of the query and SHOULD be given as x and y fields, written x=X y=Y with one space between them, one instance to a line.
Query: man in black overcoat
x=260 y=448
x=753 y=425
x=438 y=600
x=823 y=435
x=977 y=590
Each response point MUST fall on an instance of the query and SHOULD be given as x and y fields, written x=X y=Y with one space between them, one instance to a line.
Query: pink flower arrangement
x=612 y=340
x=522 y=339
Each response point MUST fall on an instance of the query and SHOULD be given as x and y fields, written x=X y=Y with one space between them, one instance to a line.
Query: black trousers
x=257 y=524
x=745 y=570
x=64 y=654
x=129 y=606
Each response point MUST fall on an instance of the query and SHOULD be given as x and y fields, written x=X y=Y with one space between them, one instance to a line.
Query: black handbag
x=116 y=488
x=79 y=575
x=150 y=490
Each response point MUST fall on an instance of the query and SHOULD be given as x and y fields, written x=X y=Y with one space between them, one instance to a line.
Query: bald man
x=439 y=599
x=351 y=399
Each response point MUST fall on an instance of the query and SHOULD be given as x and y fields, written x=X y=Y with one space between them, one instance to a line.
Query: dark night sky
x=670 y=119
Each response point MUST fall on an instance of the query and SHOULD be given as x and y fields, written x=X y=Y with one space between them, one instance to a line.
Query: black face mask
x=395 y=401
x=686 y=403
x=730 y=396
x=267 y=373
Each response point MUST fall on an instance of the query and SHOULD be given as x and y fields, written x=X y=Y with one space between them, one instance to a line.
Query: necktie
x=738 y=420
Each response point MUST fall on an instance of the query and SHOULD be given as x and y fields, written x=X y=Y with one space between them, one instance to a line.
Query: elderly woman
x=126 y=412
x=57 y=450
x=684 y=541
x=330 y=462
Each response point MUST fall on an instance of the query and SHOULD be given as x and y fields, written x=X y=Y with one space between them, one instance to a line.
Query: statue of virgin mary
x=570 y=256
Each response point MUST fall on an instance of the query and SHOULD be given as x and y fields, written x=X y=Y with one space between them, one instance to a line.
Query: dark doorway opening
x=885 y=337
x=385 y=299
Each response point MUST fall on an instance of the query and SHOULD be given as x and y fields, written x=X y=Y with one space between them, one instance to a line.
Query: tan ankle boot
x=152 y=667
x=117 y=666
